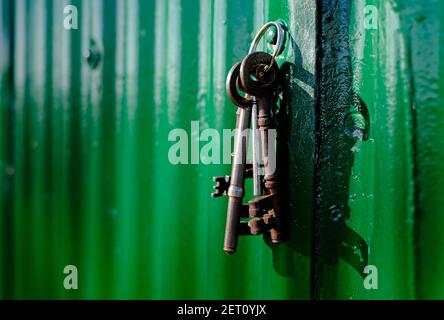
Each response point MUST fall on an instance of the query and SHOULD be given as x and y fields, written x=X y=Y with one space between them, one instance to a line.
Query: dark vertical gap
x=314 y=292
x=334 y=160
x=415 y=162
x=8 y=261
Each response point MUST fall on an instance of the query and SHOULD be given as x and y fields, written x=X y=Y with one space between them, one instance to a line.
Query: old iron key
x=257 y=167
x=260 y=80
x=256 y=76
x=236 y=191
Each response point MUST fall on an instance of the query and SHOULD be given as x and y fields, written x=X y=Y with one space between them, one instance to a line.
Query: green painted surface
x=85 y=176
x=382 y=196
x=369 y=207
x=5 y=90
x=423 y=28
x=92 y=185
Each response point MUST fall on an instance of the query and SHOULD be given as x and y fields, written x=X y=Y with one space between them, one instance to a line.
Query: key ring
x=279 y=42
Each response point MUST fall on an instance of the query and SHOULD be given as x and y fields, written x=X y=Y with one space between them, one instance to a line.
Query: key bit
x=260 y=206
x=257 y=226
x=221 y=187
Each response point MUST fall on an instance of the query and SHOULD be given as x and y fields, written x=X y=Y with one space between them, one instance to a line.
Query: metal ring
x=231 y=87
x=279 y=42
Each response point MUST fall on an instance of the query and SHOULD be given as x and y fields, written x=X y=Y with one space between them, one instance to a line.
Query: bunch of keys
x=257 y=76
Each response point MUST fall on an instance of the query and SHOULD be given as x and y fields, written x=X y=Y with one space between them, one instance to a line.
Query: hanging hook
x=279 y=42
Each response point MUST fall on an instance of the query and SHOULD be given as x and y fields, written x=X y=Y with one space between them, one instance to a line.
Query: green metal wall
x=392 y=183
x=367 y=185
x=85 y=177
x=423 y=26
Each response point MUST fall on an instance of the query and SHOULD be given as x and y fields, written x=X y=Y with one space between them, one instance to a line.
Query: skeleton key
x=236 y=191
x=257 y=168
x=259 y=75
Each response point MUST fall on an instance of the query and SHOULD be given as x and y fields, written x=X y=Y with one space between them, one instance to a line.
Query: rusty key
x=236 y=189
x=260 y=80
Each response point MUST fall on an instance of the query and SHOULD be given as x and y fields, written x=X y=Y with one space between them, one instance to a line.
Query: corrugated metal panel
x=5 y=167
x=424 y=32
x=85 y=177
x=92 y=183
x=366 y=183
x=391 y=185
